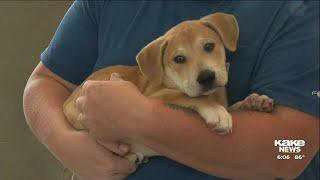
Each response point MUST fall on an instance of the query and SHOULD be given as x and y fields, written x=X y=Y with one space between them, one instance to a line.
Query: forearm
x=42 y=103
x=248 y=152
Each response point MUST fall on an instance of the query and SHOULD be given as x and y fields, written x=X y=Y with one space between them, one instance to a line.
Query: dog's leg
x=138 y=152
x=215 y=115
x=256 y=102
x=135 y=157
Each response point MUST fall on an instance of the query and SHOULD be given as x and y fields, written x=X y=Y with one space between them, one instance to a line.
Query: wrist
x=144 y=119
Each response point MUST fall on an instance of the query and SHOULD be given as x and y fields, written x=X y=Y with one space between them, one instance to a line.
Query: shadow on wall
x=25 y=30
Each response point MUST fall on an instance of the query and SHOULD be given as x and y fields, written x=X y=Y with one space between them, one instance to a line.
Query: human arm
x=63 y=65
x=235 y=155
x=280 y=61
x=44 y=95
x=248 y=152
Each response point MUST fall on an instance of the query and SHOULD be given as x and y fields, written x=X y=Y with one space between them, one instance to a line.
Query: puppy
x=186 y=68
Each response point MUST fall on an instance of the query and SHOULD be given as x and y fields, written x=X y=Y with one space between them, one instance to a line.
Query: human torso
x=124 y=28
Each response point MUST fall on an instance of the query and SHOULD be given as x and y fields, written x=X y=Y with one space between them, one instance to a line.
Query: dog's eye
x=208 y=47
x=180 y=59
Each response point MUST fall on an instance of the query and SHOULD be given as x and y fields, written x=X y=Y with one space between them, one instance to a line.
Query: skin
x=44 y=95
x=231 y=156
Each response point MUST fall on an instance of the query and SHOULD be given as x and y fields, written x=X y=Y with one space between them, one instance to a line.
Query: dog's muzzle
x=206 y=80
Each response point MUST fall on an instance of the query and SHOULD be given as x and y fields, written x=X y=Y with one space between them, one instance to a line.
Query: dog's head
x=191 y=56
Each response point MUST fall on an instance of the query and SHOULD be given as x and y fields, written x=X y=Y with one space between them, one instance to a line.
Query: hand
x=91 y=161
x=111 y=110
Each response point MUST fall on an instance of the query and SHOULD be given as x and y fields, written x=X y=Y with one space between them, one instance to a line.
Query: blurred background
x=26 y=28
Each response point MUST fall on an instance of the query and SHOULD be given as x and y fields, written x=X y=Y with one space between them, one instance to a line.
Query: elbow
x=26 y=101
x=30 y=99
x=33 y=102
x=26 y=97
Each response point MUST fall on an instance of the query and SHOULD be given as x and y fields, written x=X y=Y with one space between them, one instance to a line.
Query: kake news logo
x=289 y=146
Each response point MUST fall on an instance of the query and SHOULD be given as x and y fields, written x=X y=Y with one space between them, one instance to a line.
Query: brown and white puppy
x=185 y=67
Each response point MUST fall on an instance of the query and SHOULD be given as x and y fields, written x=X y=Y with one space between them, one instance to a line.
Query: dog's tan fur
x=158 y=76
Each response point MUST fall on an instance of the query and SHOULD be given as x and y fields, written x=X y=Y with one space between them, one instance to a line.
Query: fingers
x=90 y=84
x=84 y=115
x=80 y=102
x=120 y=165
x=115 y=77
x=83 y=119
x=116 y=164
x=115 y=147
x=91 y=88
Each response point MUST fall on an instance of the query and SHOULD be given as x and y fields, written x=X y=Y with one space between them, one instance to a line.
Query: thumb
x=115 y=77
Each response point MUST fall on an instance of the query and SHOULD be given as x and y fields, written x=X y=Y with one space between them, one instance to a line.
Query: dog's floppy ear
x=226 y=26
x=150 y=60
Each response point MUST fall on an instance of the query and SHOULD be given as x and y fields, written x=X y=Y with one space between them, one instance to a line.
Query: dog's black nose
x=206 y=79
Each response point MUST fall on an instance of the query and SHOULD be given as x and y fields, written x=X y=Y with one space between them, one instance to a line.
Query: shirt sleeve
x=73 y=50
x=288 y=67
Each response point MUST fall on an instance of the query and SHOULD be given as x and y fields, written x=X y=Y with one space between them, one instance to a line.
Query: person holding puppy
x=277 y=55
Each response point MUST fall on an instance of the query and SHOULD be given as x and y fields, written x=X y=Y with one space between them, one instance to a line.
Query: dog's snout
x=206 y=79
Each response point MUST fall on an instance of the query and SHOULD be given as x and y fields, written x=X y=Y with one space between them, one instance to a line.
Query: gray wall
x=25 y=30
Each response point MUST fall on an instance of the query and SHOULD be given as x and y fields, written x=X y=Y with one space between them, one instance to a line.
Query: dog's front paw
x=217 y=118
x=136 y=158
x=258 y=102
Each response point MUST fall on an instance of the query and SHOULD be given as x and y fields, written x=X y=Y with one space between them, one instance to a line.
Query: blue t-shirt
x=278 y=53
